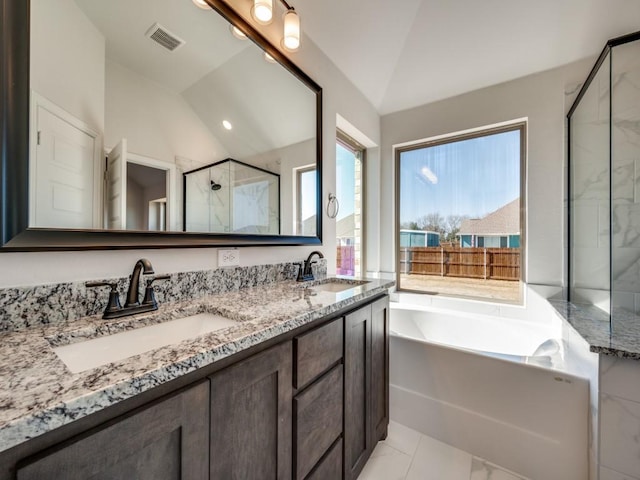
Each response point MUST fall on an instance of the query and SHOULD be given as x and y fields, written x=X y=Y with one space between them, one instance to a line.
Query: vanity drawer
x=330 y=466
x=318 y=414
x=316 y=351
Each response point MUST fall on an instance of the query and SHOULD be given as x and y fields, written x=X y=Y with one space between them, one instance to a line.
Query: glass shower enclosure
x=604 y=184
x=231 y=197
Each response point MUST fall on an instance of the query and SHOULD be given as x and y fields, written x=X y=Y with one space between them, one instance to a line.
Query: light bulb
x=291 y=40
x=227 y=124
x=269 y=58
x=201 y=4
x=236 y=32
x=262 y=11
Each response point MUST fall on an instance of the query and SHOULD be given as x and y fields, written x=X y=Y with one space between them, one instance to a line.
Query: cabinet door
x=357 y=381
x=167 y=440
x=251 y=404
x=380 y=369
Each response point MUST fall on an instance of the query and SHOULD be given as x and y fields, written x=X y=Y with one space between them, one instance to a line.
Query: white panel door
x=117 y=187
x=64 y=175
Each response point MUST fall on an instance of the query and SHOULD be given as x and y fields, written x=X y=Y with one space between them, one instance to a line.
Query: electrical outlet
x=228 y=258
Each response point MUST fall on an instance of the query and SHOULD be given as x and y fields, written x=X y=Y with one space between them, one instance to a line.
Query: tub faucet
x=305 y=273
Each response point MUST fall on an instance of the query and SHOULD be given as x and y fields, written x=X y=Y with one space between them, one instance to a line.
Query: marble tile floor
x=408 y=455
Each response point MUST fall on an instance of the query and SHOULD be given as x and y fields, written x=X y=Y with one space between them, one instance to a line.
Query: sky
x=308 y=188
x=345 y=181
x=472 y=177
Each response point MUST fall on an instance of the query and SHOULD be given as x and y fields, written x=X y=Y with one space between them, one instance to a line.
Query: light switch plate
x=228 y=258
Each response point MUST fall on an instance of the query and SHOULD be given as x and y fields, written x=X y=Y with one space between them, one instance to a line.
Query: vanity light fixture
x=262 y=11
x=227 y=124
x=201 y=4
x=236 y=32
x=291 y=39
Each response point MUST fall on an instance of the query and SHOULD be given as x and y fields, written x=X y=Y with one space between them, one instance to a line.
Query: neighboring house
x=345 y=230
x=497 y=229
x=419 y=238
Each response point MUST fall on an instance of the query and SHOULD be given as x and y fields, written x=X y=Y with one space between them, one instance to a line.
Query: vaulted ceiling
x=406 y=53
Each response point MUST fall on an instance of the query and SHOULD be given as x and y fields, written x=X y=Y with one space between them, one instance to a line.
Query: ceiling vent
x=164 y=37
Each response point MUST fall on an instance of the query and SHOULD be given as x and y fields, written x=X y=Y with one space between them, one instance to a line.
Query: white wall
x=538 y=97
x=339 y=97
x=156 y=122
x=63 y=39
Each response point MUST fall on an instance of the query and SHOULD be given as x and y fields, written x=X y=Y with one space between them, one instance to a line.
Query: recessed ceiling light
x=236 y=32
x=227 y=124
x=201 y=4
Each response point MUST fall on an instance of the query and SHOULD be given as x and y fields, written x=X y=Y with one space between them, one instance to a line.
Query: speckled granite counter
x=39 y=393
x=593 y=325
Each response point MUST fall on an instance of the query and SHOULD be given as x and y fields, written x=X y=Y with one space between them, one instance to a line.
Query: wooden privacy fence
x=345 y=261
x=486 y=263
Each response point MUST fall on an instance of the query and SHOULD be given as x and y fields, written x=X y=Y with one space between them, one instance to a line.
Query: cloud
x=429 y=175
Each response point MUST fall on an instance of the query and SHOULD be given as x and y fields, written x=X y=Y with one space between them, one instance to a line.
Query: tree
x=433 y=222
x=453 y=224
x=409 y=226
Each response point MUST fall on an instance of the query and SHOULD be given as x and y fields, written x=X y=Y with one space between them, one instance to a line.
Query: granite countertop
x=622 y=339
x=40 y=394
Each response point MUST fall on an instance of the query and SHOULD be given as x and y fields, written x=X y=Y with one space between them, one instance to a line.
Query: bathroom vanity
x=297 y=393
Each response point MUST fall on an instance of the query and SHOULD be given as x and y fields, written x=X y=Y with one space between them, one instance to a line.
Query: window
x=306 y=205
x=459 y=212
x=349 y=191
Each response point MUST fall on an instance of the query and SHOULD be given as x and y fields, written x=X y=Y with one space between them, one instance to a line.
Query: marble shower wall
x=23 y=307
x=590 y=201
x=619 y=418
x=626 y=177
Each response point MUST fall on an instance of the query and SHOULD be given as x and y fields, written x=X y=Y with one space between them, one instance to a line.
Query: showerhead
x=215 y=186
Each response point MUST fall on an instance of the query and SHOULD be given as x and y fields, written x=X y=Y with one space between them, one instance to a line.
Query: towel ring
x=333 y=206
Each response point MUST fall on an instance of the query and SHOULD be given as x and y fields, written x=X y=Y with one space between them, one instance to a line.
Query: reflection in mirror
x=132 y=94
x=232 y=196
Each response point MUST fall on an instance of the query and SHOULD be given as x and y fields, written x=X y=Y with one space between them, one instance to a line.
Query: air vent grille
x=164 y=37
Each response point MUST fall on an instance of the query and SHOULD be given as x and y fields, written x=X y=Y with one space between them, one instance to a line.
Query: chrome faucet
x=132 y=305
x=305 y=272
x=133 y=299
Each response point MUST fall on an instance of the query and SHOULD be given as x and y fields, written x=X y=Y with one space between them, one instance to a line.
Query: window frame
x=514 y=125
x=298 y=207
x=354 y=146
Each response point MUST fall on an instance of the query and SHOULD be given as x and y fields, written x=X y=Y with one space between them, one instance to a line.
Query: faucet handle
x=149 y=294
x=113 y=304
x=299 y=278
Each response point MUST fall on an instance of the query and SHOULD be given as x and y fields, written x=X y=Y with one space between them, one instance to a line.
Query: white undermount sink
x=82 y=356
x=337 y=286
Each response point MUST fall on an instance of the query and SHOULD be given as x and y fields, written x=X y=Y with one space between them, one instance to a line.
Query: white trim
x=171 y=187
x=37 y=101
x=462 y=132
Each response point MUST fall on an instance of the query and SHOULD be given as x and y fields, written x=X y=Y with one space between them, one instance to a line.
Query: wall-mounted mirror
x=125 y=98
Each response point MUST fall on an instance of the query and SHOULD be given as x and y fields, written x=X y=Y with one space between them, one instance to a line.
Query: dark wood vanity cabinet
x=379 y=369
x=310 y=405
x=167 y=440
x=251 y=404
x=318 y=404
x=366 y=405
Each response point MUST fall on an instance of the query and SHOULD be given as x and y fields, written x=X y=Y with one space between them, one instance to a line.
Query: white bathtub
x=474 y=382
